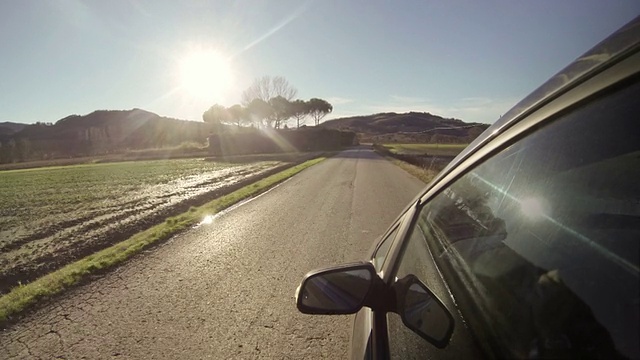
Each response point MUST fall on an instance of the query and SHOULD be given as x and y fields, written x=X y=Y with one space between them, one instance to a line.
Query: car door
x=534 y=247
x=361 y=338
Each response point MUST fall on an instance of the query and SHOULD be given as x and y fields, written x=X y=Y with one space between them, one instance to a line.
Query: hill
x=411 y=127
x=105 y=132
x=9 y=128
x=100 y=132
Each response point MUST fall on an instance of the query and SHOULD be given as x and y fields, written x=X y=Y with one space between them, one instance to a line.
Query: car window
x=539 y=244
x=383 y=248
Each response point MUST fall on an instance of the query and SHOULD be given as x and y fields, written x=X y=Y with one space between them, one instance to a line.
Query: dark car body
x=530 y=237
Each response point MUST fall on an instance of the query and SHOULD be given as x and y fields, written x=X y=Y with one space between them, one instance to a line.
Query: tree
x=281 y=87
x=266 y=88
x=216 y=115
x=474 y=132
x=237 y=114
x=318 y=109
x=281 y=110
x=261 y=111
x=21 y=149
x=299 y=110
x=7 y=151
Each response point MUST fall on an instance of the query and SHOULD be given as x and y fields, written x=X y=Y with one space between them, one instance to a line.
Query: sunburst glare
x=205 y=74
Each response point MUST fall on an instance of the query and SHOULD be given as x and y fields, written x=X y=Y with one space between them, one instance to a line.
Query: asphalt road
x=226 y=289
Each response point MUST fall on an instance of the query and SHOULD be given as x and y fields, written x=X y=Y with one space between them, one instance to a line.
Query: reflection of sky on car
x=569 y=222
x=339 y=296
x=533 y=210
x=321 y=292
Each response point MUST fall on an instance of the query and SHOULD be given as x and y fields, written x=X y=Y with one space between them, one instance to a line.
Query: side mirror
x=336 y=290
x=422 y=312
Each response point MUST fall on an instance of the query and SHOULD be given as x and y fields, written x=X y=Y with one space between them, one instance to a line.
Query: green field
x=49 y=216
x=426 y=149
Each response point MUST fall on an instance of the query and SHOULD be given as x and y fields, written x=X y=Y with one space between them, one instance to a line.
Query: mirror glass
x=339 y=292
x=424 y=314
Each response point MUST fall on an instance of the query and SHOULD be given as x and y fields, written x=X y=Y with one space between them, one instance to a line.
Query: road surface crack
x=26 y=346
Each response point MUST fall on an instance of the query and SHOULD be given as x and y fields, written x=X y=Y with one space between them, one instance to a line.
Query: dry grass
x=426 y=149
x=425 y=175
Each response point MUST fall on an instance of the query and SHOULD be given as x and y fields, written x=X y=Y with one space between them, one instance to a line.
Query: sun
x=205 y=74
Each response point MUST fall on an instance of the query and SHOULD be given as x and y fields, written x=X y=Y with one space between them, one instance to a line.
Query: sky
x=471 y=60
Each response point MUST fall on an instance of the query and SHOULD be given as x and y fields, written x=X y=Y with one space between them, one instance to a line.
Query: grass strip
x=425 y=175
x=25 y=296
x=426 y=149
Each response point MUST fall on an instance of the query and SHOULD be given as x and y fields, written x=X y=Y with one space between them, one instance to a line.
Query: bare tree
x=281 y=87
x=266 y=88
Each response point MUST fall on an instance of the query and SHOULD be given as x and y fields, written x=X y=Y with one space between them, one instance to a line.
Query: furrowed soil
x=50 y=217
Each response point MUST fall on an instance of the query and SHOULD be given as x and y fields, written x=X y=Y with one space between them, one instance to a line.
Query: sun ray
x=294 y=15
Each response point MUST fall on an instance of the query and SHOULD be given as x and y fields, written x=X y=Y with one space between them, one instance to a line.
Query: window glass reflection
x=540 y=242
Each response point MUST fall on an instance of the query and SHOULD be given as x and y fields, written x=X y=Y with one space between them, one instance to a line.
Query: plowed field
x=51 y=216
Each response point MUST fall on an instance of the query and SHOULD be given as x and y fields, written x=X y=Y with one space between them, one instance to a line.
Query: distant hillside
x=408 y=127
x=12 y=125
x=8 y=128
x=116 y=131
x=100 y=132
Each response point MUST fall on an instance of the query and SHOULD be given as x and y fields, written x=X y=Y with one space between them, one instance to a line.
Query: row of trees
x=15 y=150
x=269 y=102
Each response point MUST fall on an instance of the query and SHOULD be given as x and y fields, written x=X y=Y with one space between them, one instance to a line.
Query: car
x=526 y=245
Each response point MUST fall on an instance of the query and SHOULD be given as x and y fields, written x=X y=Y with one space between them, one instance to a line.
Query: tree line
x=15 y=150
x=268 y=102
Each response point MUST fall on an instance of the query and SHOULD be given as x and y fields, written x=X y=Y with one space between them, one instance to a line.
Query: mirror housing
x=337 y=290
x=422 y=312
x=345 y=289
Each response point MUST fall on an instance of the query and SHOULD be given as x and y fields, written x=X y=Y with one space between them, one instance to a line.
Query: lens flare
x=533 y=208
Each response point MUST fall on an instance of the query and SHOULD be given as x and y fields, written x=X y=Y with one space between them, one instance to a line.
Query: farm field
x=447 y=150
x=51 y=216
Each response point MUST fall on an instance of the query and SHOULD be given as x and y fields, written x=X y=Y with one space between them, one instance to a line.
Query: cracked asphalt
x=226 y=289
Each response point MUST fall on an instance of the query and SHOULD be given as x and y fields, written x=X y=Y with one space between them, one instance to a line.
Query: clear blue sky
x=467 y=59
